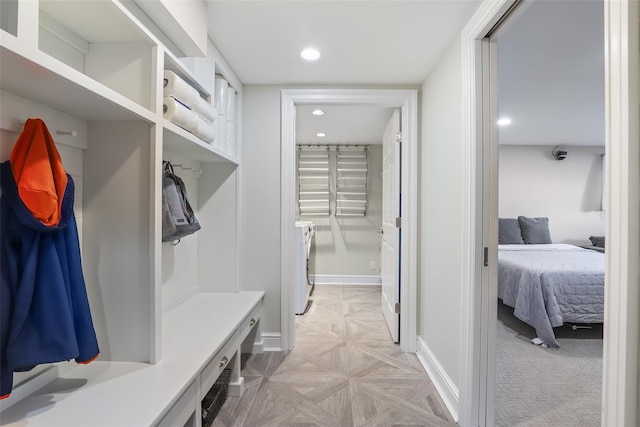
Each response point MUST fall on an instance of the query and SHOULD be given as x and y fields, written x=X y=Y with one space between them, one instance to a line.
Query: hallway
x=344 y=371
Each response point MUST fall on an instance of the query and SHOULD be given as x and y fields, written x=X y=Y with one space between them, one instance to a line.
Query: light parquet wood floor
x=344 y=371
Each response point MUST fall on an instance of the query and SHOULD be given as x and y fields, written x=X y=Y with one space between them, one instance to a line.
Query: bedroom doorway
x=620 y=395
x=550 y=117
x=620 y=372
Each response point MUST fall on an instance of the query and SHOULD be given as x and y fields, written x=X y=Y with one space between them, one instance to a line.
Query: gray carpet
x=538 y=386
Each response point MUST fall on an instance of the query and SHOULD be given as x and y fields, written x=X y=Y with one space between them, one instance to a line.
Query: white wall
x=345 y=246
x=260 y=199
x=440 y=274
x=533 y=183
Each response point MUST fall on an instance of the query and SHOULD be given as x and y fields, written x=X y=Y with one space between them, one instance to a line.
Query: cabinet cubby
x=101 y=40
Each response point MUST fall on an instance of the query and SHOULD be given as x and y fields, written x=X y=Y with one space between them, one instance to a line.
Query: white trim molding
x=330 y=279
x=407 y=100
x=474 y=331
x=620 y=396
x=271 y=341
x=438 y=375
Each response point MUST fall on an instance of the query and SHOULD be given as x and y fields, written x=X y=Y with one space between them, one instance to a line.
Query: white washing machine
x=303 y=280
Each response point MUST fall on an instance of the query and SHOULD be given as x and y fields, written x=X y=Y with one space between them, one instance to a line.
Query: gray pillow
x=509 y=232
x=534 y=230
x=597 y=241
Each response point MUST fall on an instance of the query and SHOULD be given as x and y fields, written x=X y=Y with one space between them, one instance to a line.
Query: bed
x=551 y=284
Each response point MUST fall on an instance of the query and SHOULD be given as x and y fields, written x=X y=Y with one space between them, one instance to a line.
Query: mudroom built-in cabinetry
x=169 y=316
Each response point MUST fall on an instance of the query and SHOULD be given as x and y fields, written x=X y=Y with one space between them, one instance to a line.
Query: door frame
x=407 y=101
x=620 y=395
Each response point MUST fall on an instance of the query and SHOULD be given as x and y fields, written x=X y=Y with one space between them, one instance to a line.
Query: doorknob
x=380 y=230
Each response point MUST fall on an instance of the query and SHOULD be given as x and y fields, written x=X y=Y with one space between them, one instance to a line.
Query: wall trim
x=474 y=405
x=444 y=384
x=271 y=341
x=333 y=279
x=620 y=374
x=258 y=347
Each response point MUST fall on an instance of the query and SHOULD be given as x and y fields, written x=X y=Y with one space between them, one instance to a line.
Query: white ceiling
x=342 y=124
x=361 y=42
x=551 y=74
x=551 y=59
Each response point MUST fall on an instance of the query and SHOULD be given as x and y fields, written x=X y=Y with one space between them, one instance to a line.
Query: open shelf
x=179 y=140
x=52 y=83
x=103 y=41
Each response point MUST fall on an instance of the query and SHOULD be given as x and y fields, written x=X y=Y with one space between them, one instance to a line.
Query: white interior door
x=390 y=234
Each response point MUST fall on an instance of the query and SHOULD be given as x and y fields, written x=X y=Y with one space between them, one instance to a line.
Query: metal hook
x=73 y=133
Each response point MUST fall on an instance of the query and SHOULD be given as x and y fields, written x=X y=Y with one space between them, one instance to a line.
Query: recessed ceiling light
x=504 y=121
x=321 y=135
x=310 y=54
x=317 y=112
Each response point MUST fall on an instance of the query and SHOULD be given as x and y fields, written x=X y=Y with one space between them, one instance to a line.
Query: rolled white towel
x=231 y=105
x=207 y=131
x=220 y=95
x=177 y=113
x=221 y=139
x=175 y=86
x=182 y=116
x=205 y=110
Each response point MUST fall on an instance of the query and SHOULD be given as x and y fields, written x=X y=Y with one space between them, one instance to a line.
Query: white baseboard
x=445 y=386
x=271 y=341
x=330 y=279
x=257 y=347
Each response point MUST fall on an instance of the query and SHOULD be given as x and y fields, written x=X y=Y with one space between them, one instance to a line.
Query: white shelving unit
x=95 y=68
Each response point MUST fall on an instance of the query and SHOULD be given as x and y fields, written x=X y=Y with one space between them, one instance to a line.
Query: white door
x=390 y=235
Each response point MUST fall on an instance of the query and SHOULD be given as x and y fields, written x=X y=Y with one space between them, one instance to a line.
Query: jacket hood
x=38 y=172
x=24 y=215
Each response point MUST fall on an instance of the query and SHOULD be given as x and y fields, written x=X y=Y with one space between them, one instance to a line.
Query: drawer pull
x=253 y=322
x=223 y=362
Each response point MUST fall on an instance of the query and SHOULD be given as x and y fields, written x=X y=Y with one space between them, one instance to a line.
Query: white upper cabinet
x=184 y=21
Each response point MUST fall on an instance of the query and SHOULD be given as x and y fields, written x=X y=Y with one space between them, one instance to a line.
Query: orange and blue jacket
x=44 y=309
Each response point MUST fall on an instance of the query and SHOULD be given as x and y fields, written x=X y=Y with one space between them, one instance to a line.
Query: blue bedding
x=550 y=284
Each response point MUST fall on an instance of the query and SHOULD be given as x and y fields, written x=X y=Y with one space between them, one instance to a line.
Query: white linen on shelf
x=179 y=89
x=179 y=114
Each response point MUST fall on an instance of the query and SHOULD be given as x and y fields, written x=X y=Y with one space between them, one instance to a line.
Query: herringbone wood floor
x=344 y=371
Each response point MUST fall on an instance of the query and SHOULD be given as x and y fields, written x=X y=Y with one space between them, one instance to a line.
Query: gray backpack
x=178 y=219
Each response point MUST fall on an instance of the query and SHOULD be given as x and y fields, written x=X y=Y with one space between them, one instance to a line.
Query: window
x=351 y=181
x=332 y=179
x=313 y=181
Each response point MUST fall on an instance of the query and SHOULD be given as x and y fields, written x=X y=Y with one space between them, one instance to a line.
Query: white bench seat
x=195 y=335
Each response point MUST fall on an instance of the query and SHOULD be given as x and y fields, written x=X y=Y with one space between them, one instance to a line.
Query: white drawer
x=250 y=321
x=212 y=371
x=182 y=410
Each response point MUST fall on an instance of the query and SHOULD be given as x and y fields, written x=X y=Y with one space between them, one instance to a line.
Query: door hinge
x=398 y=222
x=486 y=257
x=397 y=308
x=399 y=137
